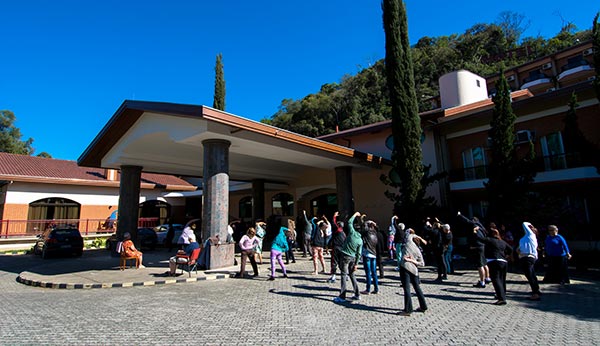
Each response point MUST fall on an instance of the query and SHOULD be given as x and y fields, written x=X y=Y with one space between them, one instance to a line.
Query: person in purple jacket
x=557 y=254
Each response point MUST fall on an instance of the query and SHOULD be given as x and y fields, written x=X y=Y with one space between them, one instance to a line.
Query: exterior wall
x=373 y=143
x=94 y=201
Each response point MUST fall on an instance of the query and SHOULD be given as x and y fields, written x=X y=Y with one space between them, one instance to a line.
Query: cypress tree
x=508 y=177
x=407 y=163
x=219 y=96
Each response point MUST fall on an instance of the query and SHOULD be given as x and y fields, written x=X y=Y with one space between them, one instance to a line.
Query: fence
x=31 y=228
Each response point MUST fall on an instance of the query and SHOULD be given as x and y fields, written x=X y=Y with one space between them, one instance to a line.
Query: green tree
x=407 y=170
x=10 y=136
x=509 y=176
x=219 y=96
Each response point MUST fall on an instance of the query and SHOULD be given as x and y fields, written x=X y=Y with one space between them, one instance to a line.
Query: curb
x=44 y=284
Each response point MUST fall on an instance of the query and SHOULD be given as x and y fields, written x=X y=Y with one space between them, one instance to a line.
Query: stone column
x=345 y=197
x=129 y=202
x=258 y=199
x=215 y=190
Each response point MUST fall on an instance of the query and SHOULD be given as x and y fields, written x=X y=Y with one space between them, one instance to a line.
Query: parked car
x=64 y=241
x=162 y=230
x=147 y=237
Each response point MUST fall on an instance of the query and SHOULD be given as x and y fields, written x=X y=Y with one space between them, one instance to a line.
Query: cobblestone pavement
x=294 y=311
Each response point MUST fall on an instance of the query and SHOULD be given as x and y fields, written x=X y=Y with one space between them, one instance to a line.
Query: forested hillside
x=362 y=99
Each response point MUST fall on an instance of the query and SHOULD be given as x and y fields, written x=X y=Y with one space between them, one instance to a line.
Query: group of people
x=491 y=254
x=361 y=240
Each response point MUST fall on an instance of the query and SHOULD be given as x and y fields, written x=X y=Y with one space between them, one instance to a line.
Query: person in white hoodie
x=528 y=255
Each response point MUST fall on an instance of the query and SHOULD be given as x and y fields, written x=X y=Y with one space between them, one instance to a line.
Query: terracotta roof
x=44 y=170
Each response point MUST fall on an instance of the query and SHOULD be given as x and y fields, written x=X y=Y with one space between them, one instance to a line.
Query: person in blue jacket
x=557 y=255
x=278 y=247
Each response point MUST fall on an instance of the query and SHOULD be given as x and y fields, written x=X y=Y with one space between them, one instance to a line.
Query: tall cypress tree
x=502 y=152
x=407 y=163
x=219 y=96
x=510 y=177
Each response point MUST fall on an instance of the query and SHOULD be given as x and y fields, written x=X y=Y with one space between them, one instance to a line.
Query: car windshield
x=65 y=232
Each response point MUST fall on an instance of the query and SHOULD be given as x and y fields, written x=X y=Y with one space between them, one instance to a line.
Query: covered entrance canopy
x=167 y=138
x=199 y=141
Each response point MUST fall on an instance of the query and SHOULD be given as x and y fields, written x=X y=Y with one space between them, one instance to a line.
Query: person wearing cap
x=129 y=250
x=189 y=248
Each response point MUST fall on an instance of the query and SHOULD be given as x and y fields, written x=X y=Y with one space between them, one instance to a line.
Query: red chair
x=191 y=262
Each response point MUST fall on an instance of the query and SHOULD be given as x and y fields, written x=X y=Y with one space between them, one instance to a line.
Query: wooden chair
x=191 y=262
x=124 y=258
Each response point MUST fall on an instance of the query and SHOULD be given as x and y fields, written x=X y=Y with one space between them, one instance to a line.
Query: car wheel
x=44 y=253
x=108 y=245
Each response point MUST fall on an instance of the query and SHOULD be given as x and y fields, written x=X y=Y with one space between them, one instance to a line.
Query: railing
x=574 y=64
x=541 y=164
x=31 y=228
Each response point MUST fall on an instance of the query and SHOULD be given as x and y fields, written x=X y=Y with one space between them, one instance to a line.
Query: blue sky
x=68 y=65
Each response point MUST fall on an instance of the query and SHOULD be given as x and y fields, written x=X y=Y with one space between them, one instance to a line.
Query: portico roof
x=167 y=138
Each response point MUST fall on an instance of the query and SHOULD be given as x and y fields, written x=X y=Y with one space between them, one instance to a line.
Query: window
x=283 y=204
x=474 y=163
x=553 y=151
x=52 y=209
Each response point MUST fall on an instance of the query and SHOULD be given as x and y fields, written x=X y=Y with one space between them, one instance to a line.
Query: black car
x=59 y=241
x=147 y=237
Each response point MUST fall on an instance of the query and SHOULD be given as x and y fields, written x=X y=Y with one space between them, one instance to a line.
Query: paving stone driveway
x=294 y=311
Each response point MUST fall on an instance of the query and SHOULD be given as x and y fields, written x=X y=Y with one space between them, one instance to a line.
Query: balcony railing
x=31 y=228
x=541 y=164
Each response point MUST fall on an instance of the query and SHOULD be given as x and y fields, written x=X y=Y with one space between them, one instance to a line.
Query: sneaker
x=271 y=278
x=420 y=310
x=488 y=280
x=142 y=266
x=355 y=298
x=339 y=300
x=403 y=313
x=479 y=284
x=500 y=302
x=293 y=261
x=365 y=292
x=375 y=292
x=331 y=279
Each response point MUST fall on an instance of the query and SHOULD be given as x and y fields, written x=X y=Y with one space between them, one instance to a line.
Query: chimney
x=111 y=174
x=460 y=88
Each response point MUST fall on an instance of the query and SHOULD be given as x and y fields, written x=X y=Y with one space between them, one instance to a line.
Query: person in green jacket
x=349 y=255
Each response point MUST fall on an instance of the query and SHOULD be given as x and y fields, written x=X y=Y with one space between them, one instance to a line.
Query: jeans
x=347 y=264
x=408 y=279
x=371 y=273
x=448 y=259
x=441 y=263
x=527 y=265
